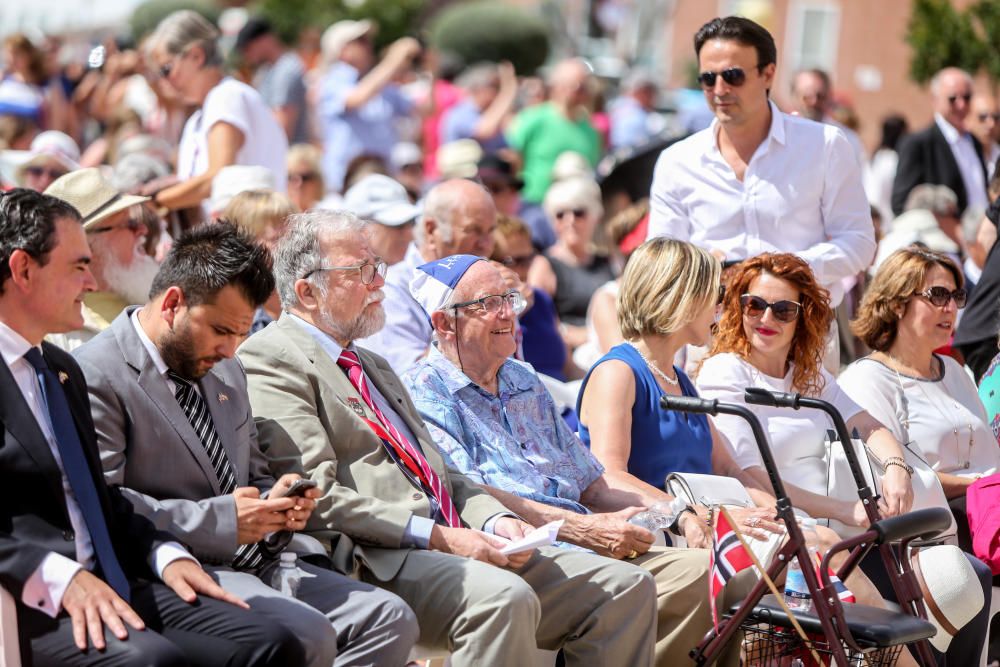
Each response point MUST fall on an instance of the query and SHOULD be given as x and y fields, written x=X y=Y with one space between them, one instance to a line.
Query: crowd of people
x=373 y=311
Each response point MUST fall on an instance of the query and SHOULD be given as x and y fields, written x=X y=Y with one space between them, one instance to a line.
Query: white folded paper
x=540 y=537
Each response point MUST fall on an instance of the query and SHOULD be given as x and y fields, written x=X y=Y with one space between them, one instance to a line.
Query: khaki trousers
x=598 y=611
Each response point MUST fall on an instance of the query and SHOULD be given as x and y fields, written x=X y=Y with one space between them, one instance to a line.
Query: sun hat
x=952 y=592
x=92 y=195
x=340 y=34
x=459 y=159
x=237 y=178
x=51 y=145
x=382 y=199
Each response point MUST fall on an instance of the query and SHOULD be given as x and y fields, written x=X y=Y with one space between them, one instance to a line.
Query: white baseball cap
x=381 y=199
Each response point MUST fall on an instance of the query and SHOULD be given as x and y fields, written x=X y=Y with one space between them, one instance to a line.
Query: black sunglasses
x=722 y=295
x=575 y=212
x=734 y=76
x=966 y=97
x=939 y=296
x=783 y=311
x=983 y=117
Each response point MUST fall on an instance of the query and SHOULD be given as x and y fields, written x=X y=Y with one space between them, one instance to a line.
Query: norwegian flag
x=727 y=557
x=843 y=592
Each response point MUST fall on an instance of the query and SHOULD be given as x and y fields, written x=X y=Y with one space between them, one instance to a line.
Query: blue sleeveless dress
x=663 y=441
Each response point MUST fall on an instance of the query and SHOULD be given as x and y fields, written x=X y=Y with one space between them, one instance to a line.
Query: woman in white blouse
x=771 y=335
x=924 y=398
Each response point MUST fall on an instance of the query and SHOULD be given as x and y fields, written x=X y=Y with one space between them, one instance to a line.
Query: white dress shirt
x=801 y=193
x=969 y=164
x=46 y=586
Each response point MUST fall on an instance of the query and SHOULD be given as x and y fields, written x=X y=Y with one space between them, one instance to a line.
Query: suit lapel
x=155 y=387
x=22 y=426
x=948 y=161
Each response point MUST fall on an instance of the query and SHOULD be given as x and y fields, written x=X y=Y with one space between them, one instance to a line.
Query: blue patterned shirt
x=515 y=441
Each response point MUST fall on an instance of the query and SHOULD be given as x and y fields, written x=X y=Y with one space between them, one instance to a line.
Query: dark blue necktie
x=78 y=472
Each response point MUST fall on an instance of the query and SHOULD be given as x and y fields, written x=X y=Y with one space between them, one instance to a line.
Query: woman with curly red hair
x=771 y=335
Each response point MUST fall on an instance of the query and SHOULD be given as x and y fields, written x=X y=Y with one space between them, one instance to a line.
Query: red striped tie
x=409 y=454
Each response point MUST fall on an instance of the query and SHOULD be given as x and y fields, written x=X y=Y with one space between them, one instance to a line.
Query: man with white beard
x=121 y=266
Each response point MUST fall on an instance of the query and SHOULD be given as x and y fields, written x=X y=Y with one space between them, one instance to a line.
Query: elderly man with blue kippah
x=494 y=421
x=391 y=511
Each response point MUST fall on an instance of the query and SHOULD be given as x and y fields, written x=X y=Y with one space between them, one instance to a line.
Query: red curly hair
x=811 y=326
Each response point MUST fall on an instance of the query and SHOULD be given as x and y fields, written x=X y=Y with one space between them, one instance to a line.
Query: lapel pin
x=222 y=397
x=63 y=377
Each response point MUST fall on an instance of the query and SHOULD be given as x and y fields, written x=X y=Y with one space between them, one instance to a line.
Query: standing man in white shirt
x=944 y=153
x=758 y=180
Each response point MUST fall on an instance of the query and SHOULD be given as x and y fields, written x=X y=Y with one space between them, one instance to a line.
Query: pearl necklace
x=673 y=382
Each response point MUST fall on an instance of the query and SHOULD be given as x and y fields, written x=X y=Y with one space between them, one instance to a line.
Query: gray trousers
x=339 y=621
x=598 y=611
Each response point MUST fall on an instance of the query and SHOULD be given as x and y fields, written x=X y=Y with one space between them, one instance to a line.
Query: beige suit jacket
x=307 y=411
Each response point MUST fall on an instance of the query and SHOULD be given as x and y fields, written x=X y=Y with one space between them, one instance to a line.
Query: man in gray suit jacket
x=391 y=511
x=175 y=431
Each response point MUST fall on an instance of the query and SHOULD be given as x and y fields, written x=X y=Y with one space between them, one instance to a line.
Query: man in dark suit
x=174 y=429
x=73 y=553
x=944 y=153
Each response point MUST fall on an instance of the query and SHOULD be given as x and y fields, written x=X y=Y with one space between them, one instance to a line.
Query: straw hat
x=951 y=589
x=92 y=195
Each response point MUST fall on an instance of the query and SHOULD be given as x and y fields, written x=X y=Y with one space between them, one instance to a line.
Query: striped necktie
x=411 y=457
x=248 y=556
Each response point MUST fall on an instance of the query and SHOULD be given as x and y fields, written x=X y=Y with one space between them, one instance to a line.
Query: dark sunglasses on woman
x=939 y=296
x=783 y=311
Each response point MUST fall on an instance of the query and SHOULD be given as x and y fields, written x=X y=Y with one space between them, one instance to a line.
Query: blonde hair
x=898 y=278
x=256 y=210
x=665 y=284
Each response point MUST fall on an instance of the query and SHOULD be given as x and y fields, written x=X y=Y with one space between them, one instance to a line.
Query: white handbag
x=711 y=490
x=927 y=490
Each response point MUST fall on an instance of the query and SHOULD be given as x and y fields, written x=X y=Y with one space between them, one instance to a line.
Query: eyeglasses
x=983 y=117
x=783 y=311
x=521 y=260
x=366 y=269
x=733 y=76
x=38 y=172
x=965 y=97
x=132 y=225
x=493 y=303
x=939 y=296
x=577 y=213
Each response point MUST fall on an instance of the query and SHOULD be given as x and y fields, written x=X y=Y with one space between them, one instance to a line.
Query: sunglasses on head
x=939 y=296
x=733 y=76
x=783 y=311
x=965 y=97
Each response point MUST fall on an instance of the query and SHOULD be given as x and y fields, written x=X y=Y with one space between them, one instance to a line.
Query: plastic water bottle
x=288 y=575
x=797 y=594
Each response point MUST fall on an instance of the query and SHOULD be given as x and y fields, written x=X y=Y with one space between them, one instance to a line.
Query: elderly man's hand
x=610 y=534
x=474 y=544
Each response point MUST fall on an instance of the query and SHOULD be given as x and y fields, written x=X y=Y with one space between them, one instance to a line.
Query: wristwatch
x=678 y=508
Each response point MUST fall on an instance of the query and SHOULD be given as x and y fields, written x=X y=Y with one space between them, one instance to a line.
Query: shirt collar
x=13 y=346
x=950 y=132
x=776 y=132
x=151 y=349
x=325 y=340
x=509 y=381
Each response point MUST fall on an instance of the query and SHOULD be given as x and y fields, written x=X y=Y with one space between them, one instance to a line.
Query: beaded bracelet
x=896 y=461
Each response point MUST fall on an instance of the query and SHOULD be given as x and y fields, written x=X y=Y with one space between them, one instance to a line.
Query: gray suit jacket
x=149 y=447
x=307 y=410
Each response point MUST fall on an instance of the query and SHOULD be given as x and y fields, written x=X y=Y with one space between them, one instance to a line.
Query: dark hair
x=28 y=223
x=893 y=128
x=210 y=257
x=742 y=30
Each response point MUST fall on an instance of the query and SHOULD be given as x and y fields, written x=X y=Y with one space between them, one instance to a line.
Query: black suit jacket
x=926 y=157
x=33 y=516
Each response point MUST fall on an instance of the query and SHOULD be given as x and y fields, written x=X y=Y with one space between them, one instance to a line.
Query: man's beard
x=369 y=322
x=131 y=282
x=177 y=350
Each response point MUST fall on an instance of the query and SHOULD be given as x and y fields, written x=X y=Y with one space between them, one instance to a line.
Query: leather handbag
x=927 y=490
x=713 y=490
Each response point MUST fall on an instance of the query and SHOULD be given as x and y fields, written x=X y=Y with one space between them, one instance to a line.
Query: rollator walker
x=841 y=634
